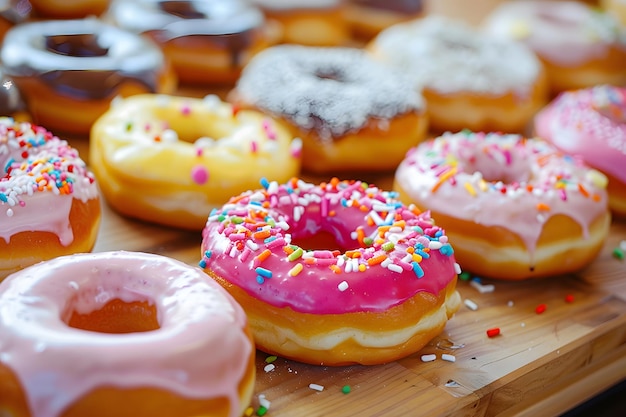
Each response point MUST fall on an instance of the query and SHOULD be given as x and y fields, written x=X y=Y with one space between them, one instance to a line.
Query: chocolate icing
x=229 y=25
x=86 y=59
x=398 y=6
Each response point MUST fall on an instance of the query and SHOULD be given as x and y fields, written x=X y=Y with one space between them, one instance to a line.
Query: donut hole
x=559 y=19
x=183 y=9
x=330 y=74
x=322 y=240
x=77 y=45
x=497 y=167
x=117 y=317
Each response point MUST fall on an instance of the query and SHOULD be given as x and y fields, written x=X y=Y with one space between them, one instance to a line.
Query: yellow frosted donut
x=170 y=160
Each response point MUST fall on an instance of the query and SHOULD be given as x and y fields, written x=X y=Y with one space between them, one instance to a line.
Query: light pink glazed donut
x=121 y=333
x=49 y=200
x=591 y=123
x=335 y=273
x=514 y=208
x=579 y=45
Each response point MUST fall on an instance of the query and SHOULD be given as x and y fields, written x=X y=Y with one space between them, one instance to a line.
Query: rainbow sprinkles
x=388 y=252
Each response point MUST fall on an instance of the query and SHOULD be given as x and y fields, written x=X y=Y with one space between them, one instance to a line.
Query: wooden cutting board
x=541 y=364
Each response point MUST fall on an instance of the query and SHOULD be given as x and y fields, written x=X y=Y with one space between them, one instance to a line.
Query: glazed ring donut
x=352 y=113
x=170 y=160
x=49 y=201
x=469 y=80
x=579 y=45
x=591 y=123
x=305 y=22
x=64 y=9
x=514 y=208
x=69 y=71
x=208 y=42
x=335 y=274
x=122 y=333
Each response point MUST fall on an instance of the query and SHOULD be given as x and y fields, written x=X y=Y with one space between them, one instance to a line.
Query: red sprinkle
x=569 y=298
x=540 y=308
x=493 y=332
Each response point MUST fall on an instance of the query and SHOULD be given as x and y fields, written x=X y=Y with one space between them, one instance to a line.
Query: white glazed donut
x=469 y=80
x=121 y=333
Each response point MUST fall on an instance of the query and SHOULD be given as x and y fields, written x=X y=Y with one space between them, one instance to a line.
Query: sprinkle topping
x=333 y=91
x=33 y=160
x=501 y=180
x=589 y=122
x=386 y=252
x=448 y=56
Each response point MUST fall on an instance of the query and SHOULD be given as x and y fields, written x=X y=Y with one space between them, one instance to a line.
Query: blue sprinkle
x=417 y=269
x=259 y=279
x=8 y=164
x=208 y=254
x=256 y=203
x=202 y=264
x=265 y=183
x=269 y=239
x=447 y=249
x=3 y=198
x=265 y=273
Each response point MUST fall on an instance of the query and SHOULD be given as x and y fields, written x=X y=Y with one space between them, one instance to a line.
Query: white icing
x=331 y=90
x=448 y=56
x=565 y=32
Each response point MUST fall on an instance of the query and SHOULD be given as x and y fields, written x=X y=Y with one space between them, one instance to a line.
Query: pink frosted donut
x=579 y=45
x=121 y=333
x=49 y=200
x=335 y=273
x=514 y=208
x=591 y=123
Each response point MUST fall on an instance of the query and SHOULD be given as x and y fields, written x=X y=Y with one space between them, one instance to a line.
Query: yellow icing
x=146 y=148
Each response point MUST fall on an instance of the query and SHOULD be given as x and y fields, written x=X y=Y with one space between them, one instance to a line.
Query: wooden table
x=541 y=364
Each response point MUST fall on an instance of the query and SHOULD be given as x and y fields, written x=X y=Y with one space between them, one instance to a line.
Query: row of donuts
x=272 y=205
x=387 y=290
x=575 y=47
x=89 y=321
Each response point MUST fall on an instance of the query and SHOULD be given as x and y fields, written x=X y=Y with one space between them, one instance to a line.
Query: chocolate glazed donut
x=69 y=71
x=207 y=42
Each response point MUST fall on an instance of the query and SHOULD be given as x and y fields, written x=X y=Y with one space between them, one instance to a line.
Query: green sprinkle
x=261 y=411
x=295 y=254
x=346 y=389
x=221 y=218
x=388 y=246
x=271 y=359
x=465 y=276
x=236 y=220
x=368 y=241
x=618 y=253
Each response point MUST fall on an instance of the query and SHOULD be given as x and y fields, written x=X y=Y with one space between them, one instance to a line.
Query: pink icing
x=567 y=33
x=200 y=350
x=368 y=224
x=32 y=158
x=501 y=180
x=590 y=123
